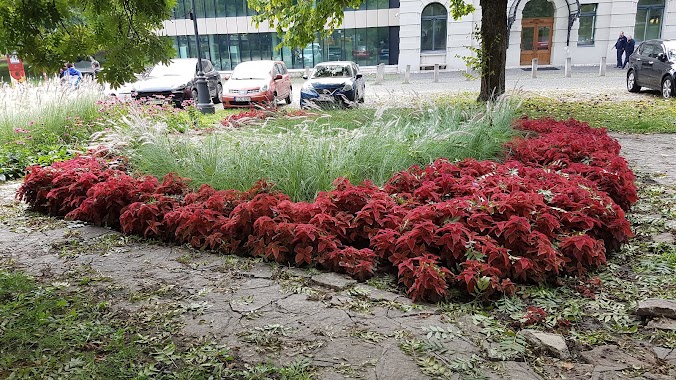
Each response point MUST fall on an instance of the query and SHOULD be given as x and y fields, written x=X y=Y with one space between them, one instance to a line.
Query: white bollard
x=380 y=73
x=307 y=72
x=569 y=67
x=534 y=68
x=602 y=68
x=407 y=75
x=436 y=72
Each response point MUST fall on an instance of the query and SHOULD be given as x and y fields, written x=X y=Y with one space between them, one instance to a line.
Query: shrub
x=477 y=225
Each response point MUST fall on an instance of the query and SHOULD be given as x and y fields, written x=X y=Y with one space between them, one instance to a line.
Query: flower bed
x=552 y=209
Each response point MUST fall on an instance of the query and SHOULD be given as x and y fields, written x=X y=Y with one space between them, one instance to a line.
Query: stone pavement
x=270 y=313
x=651 y=153
x=585 y=82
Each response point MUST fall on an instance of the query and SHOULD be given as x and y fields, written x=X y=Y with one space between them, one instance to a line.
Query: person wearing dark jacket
x=620 y=45
x=628 y=50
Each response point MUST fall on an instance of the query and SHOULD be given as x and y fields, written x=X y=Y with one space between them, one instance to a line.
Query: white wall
x=612 y=16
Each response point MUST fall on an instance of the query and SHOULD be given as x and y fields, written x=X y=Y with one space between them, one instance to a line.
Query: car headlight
x=347 y=87
x=307 y=87
x=265 y=87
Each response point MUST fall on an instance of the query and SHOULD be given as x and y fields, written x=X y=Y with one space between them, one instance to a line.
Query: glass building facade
x=365 y=46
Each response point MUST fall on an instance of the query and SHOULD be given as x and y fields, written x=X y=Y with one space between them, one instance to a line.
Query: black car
x=177 y=81
x=88 y=67
x=653 y=65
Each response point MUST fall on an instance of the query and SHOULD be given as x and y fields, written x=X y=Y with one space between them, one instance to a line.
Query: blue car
x=336 y=83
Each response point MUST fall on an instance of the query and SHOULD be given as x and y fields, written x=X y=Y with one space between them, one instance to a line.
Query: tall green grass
x=306 y=158
x=49 y=112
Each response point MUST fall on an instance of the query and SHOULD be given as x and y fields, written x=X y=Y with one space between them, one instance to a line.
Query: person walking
x=620 y=45
x=73 y=75
x=628 y=50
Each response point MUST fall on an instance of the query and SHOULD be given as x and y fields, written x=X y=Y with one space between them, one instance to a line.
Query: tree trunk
x=494 y=48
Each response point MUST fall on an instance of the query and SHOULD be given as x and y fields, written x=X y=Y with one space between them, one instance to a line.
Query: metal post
x=436 y=72
x=204 y=102
x=534 y=68
x=569 y=66
x=602 y=68
x=407 y=74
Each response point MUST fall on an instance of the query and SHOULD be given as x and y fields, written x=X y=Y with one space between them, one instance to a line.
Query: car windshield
x=83 y=65
x=175 y=68
x=331 y=71
x=671 y=49
x=252 y=70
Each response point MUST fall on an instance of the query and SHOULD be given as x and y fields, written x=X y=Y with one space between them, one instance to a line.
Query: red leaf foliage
x=555 y=207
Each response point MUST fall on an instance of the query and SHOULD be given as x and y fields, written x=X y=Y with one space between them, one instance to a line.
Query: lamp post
x=204 y=103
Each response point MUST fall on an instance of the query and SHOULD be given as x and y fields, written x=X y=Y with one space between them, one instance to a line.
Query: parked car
x=177 y=81
x=258 y=82
x=333 y=83
x=88 y=67
x=653 y=65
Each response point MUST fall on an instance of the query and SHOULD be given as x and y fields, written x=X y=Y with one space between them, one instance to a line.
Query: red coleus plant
x=555 y=208
x=424 y=277
x=534 y=315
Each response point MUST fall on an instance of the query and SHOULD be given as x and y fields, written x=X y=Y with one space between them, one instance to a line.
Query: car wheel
x=667 y=87
x=219 y=94
x=194 y=96
x=289 y=98
x=631 y=82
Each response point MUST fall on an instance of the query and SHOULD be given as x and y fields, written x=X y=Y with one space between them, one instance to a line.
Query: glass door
x=536 y=40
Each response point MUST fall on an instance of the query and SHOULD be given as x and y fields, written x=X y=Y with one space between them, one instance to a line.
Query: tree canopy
x=47 y=33
x=299 y=22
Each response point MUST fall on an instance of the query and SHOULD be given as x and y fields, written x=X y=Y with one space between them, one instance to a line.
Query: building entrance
x=537 y=28
x=536 y=40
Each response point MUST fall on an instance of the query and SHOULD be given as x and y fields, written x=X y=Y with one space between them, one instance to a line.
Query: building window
x=433 y=27
x=649 y=15
x=538 y=8
x=365 y=46
x=587 y=24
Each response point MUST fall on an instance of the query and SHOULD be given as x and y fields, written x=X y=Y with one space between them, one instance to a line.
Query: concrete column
x=602 y=68
x=569 y=67
x=534 y=68
x=436 y=72
x=407 y=75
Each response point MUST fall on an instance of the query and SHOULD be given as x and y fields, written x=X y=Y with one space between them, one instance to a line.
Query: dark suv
x=653 y=65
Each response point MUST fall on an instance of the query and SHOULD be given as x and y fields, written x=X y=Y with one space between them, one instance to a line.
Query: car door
x=287 y=78
x=283 y=85
x=648 y=65
x=660 y=67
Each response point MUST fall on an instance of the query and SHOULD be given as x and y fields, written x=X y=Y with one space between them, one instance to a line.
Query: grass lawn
x=648 y=115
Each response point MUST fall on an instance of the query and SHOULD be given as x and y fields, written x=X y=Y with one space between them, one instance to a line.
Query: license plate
x=325 y=98
x=157 y=101
x=242 y=98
